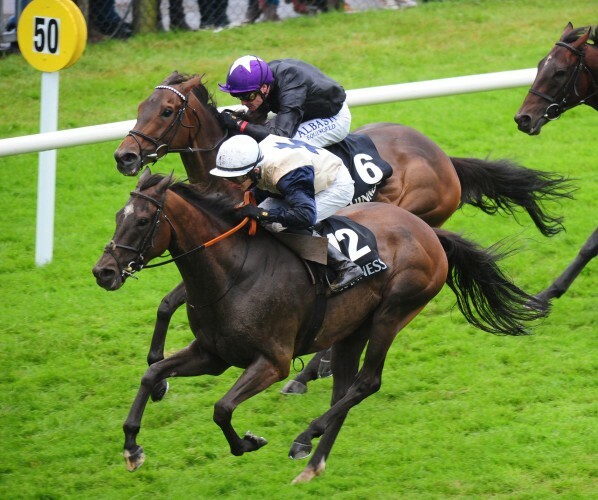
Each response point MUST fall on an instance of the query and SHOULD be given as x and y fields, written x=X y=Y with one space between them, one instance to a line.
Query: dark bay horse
x=250 y=301
x=567 y=77
x=180 y=116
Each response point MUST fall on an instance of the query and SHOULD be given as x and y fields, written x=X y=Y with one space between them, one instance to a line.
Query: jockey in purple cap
x=309 y=106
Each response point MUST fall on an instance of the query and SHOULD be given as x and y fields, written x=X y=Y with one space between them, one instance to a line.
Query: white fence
x=356 y=97
x=50 y=141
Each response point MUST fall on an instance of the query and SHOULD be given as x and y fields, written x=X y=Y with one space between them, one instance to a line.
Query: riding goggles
x=246 y=96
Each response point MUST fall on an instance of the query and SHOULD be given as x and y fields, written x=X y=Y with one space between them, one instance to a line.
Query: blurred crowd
x=116 y=18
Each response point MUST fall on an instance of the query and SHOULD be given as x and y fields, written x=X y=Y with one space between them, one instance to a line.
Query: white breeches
x=323 y=132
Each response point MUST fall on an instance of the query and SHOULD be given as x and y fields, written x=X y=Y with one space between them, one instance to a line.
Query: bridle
x=137 y=264
x=162 y=143
x=558 y=104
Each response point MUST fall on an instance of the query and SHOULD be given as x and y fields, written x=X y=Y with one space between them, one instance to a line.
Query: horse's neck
x=206 y=271
x=198 y=165
x=205 y=142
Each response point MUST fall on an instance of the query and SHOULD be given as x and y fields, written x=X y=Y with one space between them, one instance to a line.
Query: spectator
x=255 y=8
x=176 y=12
x=253 y=12
x=213 y=14
x=270 y=8
x=104 y=18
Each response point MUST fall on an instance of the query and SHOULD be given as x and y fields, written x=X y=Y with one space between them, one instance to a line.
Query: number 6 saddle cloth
x=366 y=166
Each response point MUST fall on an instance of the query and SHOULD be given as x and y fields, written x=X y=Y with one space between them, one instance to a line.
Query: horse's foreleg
x=188 y=362
x=311 y=372
x=367 y=382
x=588 y=251
x=175 y=299
x=258 y=376
x=345 y=365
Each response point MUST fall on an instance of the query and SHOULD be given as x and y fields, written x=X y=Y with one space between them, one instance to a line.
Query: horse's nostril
x=523 y=122
x=126 y=158
x=103 y=274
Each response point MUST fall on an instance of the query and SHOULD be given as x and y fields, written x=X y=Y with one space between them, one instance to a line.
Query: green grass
x=461 y=413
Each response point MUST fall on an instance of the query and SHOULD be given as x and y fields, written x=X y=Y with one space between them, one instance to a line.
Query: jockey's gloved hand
x=254 y=212
x=241 y=116
x=229 y=121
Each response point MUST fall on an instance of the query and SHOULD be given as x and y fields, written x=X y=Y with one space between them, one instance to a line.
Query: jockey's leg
x=323 y=132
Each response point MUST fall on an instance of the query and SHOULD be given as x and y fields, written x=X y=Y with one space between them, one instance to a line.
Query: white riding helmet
x=237 y=156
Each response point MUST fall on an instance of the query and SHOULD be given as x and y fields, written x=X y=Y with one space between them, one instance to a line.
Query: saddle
x=357 y=242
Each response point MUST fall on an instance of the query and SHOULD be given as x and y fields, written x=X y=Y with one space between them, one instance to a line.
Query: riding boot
x=347 y=272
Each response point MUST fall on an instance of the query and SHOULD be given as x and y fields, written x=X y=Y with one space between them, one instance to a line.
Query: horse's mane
x=200 y=91
x=197 y=195
x=577 y=32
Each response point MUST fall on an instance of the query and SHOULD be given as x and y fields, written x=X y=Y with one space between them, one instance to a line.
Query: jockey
x=295 y=184
x=309 y=106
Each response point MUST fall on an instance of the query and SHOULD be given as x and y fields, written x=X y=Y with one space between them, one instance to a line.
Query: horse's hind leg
x=345 y=365
x=312 y=371
x=563 y=282
x=175 y=299
x=188 y=362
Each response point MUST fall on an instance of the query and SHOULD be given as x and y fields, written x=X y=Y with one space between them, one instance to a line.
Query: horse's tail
x=505 y=185
x=485 y=296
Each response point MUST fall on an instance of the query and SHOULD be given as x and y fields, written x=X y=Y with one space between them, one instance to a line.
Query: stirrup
x=335 y=287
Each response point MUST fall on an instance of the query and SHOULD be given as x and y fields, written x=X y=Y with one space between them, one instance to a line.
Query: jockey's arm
x=297 y=189
x=287 y=120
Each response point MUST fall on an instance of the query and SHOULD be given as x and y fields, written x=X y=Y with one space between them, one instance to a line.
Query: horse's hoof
x=294 y=387
x=309 y=473
x=160 y=390
x=299 y=451
x=305 y=477
x=539 y=304
x=255 y=442
x=324 y=369
x=134 y=460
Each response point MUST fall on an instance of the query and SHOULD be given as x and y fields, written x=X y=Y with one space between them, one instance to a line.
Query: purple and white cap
x=246 y=74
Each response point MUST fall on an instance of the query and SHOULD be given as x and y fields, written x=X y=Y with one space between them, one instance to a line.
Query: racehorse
x=250 y=301
x=180 y=116
x=567 y=77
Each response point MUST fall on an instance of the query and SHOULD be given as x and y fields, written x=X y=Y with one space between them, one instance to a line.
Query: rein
x=137 y=264
x=162 y=143
x=556 y=107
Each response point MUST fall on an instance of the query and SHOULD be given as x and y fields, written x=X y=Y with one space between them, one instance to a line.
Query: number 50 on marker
x=51 y=34
x=45 y=35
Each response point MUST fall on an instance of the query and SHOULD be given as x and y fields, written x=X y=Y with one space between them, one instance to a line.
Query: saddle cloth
x=367 y=168
x=357 y=242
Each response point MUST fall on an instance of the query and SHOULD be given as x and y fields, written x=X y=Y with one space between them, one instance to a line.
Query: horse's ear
x=585 y=36
x=170 y=77
x=164 y=183
x=144 y=175
x=568 y=29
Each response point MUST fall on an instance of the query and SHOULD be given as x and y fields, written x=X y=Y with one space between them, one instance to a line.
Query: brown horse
x=250 y=301
x=181 y=116
x=567 y=77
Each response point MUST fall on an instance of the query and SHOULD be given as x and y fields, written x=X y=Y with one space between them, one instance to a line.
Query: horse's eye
x=167 y=112
x=143 y=222
x=560 y=73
